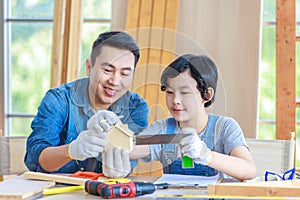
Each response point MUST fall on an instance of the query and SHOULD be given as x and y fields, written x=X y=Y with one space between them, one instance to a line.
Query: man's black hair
x=117 y=39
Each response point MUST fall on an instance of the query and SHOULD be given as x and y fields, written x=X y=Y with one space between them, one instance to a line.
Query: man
x=61 y=140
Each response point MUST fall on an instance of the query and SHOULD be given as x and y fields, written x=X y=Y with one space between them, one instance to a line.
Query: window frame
x=6 y=114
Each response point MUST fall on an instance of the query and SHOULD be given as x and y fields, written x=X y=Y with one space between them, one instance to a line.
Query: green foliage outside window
x=30 y=59
x=267 y=76
x=30 y=48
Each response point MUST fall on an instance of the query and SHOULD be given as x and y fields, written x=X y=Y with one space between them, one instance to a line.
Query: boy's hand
x=102 y=121
x=195 y=148
x=89 y=143
x=116 y=163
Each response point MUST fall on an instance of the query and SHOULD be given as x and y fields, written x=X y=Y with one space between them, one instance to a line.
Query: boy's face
x=183 y=99
x=110 y=77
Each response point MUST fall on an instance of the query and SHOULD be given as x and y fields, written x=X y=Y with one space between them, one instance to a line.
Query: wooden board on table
x=59 y=178
x=21 y=188
x=271 y=188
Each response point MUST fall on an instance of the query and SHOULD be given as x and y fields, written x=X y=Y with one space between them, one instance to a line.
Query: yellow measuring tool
x=58 y=190
x=65 y=189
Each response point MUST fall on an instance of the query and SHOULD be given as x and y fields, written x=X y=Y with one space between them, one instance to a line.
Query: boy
x=217 y=143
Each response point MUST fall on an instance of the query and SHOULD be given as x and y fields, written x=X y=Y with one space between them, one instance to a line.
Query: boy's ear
x=209 y=93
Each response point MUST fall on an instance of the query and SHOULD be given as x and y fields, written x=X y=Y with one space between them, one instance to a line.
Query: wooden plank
x=66 y=42
x=285 y=68
x=20 y=188
x=132 y=27
x=256 y=189
x=58 y=178
x=152 y=34
x=155 y=56
x=169 y=39
x=168 y=49
x=133 y=16
x=57 y=41
x=74 y=42
x=143 y=39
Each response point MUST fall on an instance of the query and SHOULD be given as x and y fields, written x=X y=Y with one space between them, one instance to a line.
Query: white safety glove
x=116 y=163
x=89 y=143
x=193 y=147
x=103 y=121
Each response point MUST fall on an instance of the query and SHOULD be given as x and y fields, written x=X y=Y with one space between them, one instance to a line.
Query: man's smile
x=110 y=92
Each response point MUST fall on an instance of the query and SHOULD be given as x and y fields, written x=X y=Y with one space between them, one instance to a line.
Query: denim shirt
x=63 y=114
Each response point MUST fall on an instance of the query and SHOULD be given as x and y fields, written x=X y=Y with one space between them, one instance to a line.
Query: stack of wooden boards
x=21 y=188
x=30 y=185
x=256 y=189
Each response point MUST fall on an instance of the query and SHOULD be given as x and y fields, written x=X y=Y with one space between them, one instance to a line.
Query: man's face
x=110 y=77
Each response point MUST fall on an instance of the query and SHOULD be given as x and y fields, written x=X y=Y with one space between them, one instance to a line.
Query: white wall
x=229 y=31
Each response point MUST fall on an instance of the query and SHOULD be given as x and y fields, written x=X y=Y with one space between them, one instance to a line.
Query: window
x=267 y=102
x=26 y=64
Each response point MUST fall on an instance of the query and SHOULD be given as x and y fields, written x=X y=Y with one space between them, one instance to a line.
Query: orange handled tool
x=87 y=175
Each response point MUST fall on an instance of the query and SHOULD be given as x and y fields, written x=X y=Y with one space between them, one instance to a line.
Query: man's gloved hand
x=89 y=143
x=193 y=147
x=116 y=163
x=102 y=121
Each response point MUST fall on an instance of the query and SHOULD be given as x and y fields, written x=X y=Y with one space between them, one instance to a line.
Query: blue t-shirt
x=63 y=114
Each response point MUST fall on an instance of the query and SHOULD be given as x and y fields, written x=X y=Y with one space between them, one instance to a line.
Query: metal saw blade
x=159 y=139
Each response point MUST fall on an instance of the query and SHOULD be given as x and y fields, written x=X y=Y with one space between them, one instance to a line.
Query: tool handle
x=119 y=190
x=110 y=191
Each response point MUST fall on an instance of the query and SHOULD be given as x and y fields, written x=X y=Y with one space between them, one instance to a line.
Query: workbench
x=19 y=184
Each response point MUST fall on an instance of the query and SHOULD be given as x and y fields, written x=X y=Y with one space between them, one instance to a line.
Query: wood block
x=153 y=168
x=253 y=189
x=21 y=188
x=120 y=136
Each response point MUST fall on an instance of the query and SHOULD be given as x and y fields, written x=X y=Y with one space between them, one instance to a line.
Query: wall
x=229 y=32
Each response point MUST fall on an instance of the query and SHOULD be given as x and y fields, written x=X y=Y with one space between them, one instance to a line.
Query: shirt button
x=169 y=161
x=81 y=169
